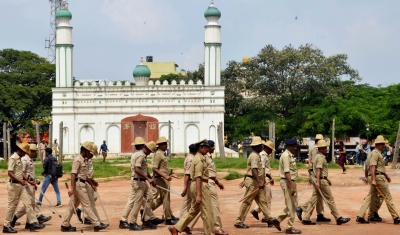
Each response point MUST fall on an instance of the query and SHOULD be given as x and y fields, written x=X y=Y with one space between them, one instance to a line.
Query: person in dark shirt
x=104 y=150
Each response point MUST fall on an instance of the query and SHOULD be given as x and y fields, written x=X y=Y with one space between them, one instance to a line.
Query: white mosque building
x=119 y=111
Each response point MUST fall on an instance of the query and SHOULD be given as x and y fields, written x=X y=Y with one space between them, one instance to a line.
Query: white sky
x=110 y=36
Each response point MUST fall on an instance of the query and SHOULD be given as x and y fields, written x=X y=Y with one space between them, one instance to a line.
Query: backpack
x=56 y=169
x=362 y=156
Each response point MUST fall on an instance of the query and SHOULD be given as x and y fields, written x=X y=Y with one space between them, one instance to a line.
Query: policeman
x=77 y=192
x=200 y=190
x=162 y=178
x=268 y=148
x=254 y=178
x=322 y=184
x=29 y=171
x=16 y=191
x=288 y=173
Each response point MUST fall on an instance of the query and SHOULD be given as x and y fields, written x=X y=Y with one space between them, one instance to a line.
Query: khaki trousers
x=186 y=204
x=30 y=189
x=42 y=154
x=326 y=191
x=320 y=202
x=383 y=187
x=367 y=204
x=164 y=198
x=268 y=197
x=92 y=196
x=259 y=197
x=80 y=197
x=15 y=193
x=204 y=208
x=291 y=203
x=133 y=201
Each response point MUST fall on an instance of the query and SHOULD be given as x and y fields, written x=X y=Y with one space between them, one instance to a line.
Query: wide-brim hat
x=269 y=144
x=256 y=140
x=87 y=145
x=321 y=144
x=138 y=141
x=202 y=143
x=162 y=139
x=318 y=137
x=151 y=146
x=33 y=147
x=94 y=150
x=380 y=140
x=24 y=147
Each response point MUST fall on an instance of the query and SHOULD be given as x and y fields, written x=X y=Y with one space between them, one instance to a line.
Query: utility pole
x=271 y=135
x=61 y=142
x=38 y=141
x=170 y=138
x=51 y=134
x=396 y=149
x=5 y=141
x=333 y=141
x=8 y=142
x=221 y=142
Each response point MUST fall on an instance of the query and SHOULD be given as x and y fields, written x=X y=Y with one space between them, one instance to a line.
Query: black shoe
x=374 y=219
x=8 y=230
x=376 y=215
x=308 y=222
x=241 y=226
x=322 y=218
x=270 y=224
x=342 y=220
x=17 y=223
x=276 y=223
x=42 y=219
x=27 y=226
x=78 y=213
x=87 y=221
x=13 y=221
x=397 y=220
x=174 y=218
x=255 y=214
x=99 y=227
x=299 y=211
x=34 y=226
x=171 y=222
x=135 y=227
x=148 y=225
x=39 y=203
x=123 y=224
x=157 y=221
x=68 y=229
x=105 y=225
x=362 y=220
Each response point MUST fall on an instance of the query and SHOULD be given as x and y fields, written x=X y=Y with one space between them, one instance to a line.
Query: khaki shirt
x=377 y=160
x=320 y=163
x=90 y=168
x=55 y=147
x=42 y=146
x=311 y=155
x=287 y=164
x=15 y=165
x=160 y=162
x=212 y=169
x=27 y=166
x=188 y=163
x=265 y=162
x=141 y=162
x=367 y=161
x=199 y=167
x=254 y=162
x=79 y=167
x=133 y=160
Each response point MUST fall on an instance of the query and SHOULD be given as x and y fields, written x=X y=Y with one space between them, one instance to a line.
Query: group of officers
x=200 y=194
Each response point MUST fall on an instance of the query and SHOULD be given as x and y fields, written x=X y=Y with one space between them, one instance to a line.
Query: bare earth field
x=347 y=189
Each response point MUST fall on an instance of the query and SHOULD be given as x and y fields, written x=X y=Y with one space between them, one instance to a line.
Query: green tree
x=172 y=76
x=196 y=75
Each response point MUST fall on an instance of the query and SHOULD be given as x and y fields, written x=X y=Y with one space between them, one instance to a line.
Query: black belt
x=14 y=181
x=81 y=180
x=250 y=176
x=141 y=179
x=378 y=173
x=324 y=177
x=203 y=180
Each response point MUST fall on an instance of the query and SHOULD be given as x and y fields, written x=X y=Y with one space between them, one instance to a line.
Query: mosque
x=119 y=111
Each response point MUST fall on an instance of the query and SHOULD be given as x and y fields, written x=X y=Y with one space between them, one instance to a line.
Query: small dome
x=246 y=59
x=64 y=13
x=212 y=12
x=141 y=71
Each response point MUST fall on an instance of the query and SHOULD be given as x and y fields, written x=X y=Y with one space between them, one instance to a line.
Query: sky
x=110 y=36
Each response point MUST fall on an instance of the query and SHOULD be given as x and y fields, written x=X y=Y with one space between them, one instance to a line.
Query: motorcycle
x=351 y=158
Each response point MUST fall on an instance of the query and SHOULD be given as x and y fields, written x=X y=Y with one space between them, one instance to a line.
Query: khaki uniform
x=253 y=162
x=199 y=170
x=160 y=162
x=55 y=150
x=187 y=200
x=320 y=163
x=42 y=147
x=92 y=195
x=29 y=170
x=377 y=160
x=288 y=164
x=267 y=189
x=80 y=169
x=315 y=195
x=17 y=192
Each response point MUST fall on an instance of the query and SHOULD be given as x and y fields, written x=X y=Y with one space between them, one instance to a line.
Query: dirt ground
x=348 y=190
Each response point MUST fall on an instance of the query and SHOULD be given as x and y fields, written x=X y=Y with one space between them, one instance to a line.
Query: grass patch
x=232 y=175
x=333 y=166
x=302 y=180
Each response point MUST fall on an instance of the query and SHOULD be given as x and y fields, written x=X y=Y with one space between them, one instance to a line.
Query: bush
x=232 y=175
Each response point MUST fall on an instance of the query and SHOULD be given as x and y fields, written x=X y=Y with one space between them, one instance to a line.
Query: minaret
x=212 y=47
x=64 y=48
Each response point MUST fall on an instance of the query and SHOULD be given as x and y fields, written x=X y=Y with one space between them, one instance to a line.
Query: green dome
x=141 y=71
x=212 y=12
x=63 y=13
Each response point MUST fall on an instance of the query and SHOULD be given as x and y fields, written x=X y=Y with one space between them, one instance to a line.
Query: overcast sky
x=110 y=36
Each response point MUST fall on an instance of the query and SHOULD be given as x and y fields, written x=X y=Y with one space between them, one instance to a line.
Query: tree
x=25 y=88
x=172 y=76
x=196 y=75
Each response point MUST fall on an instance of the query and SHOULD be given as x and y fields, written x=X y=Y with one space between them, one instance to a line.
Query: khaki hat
x=138 y=141
x=318 y=137
x=202 y=143
x=256 y=141
x=380 y=140
x=269 y=144
x=87 y=145
x=33 y=147
x=151 y=146
x=162 y=139
x=55 y=139
x=321 y=144
x=94 y=150
x=24 y=147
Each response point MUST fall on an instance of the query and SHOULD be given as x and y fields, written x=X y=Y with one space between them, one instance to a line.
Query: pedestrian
x=16 y=191
x=55 y=148
x=357 y=153
x=322 y=184
x=49 y=162
x=199 y=190
x=288 y=173
x=342 y=156
x=77 y=192
x=104 y=150
x=365 y=148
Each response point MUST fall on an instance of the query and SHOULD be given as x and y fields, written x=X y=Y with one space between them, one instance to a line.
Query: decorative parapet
x=103 y=83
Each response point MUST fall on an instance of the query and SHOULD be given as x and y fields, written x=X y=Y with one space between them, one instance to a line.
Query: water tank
x=149 y=58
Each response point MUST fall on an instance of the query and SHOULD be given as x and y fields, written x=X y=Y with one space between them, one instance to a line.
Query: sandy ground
x=347 y=189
